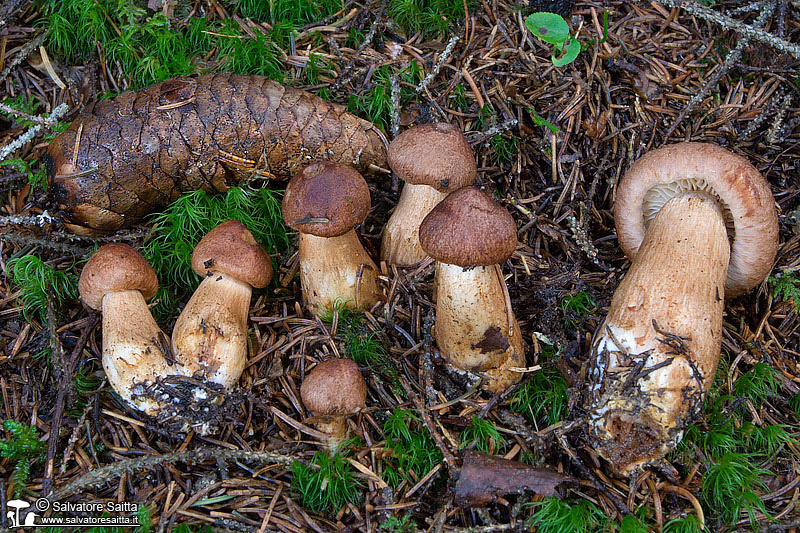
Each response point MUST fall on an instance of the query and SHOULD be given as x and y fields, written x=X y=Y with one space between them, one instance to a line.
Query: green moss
x=37 y=281
x=152 y=48
x=376 y=105
x=23 y=447
x=434 y=18
x=394 y=524
x=414 y=453
x=687 y=524
x=326 y=484
x=483 y=435
x=294 y=12
x=757 y=385
x=731 y=485
x=543 y=398
x=556 y=516
x=179 y=228
x=787 y=288
x=505 y=149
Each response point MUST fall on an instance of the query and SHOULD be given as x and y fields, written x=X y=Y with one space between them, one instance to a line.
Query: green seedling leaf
x=570 y=52
x=549 y=27
x=541 y=121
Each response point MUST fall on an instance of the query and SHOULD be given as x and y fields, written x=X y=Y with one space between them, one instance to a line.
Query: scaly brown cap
x=231 y=249
x=116 y=267
x=326 y=200
x=468 y=228
x=435 y=154
x=334 y=387
x=743 y=194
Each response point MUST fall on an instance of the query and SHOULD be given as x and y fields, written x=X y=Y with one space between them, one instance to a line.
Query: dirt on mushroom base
x=636 y=438
x=192 y=404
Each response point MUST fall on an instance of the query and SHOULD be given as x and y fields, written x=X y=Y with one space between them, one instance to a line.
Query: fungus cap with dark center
x=468 y=228
x=326 y=200
x=744 y=196
x=116 y=267
x=231 y=249
x=436 y=155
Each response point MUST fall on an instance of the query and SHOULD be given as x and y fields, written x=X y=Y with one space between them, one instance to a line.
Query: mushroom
x=324 y=202
x=118 y=281
x=210 y=336
x=698 y=223
x=333 y=390
x=433 y=160
x=469 y=234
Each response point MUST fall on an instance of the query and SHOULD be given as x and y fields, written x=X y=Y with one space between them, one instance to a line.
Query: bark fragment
x=485 y=477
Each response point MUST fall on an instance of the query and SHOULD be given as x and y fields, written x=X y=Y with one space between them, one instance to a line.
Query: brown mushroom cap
x=744 y=195
x=468 y=228
x=331 y=191
x=116 y=267
x=435 y=154
x=231 y=249
x=334 y=387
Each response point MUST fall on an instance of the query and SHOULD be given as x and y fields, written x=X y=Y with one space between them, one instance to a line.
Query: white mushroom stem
x=133 y=347
x=472 y=322
x=400 y=245
x=646 y=385
x=335 y=426
x=337 y=269
x=210 y=335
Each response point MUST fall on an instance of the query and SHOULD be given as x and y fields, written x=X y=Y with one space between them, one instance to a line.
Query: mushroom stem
x=133 y=347
x=472 y=322
x=331 y=270
x=400 y=245
x=335 y=426
x=655 y=355
x=210 y=335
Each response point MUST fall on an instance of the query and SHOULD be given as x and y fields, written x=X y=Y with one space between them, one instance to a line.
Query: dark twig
x=115 y=470
x=65 y=370
x=449 y=458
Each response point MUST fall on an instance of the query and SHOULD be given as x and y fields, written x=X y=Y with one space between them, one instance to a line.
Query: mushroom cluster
x=433 y=160
x=209 y=340
x=698 y=224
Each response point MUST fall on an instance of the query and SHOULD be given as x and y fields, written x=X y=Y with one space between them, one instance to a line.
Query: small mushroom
x=118 y=281
x=210 y=336
x=332 y=391
x=698 y=223
x=324 y=202
x=433 y=160
x=469 y=234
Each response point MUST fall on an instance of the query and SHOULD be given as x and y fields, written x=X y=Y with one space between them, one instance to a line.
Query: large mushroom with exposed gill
x=209 y=339
x=698 y=224
x=469 y=234
x=324 y=202
x=433 y=160
x=118 y=281
x=332 y=391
